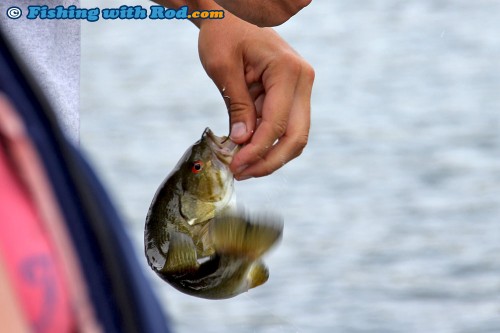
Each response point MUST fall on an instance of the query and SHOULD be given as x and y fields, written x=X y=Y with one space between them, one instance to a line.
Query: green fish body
x=195 y=239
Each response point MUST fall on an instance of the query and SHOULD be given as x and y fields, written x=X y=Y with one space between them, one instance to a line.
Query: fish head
x=205 y=168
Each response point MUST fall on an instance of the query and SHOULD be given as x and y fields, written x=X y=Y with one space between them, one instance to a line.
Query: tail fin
x=237 y=233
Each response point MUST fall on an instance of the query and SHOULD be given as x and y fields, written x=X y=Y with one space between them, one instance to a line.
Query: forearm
x=171 y=3
x=193 y=5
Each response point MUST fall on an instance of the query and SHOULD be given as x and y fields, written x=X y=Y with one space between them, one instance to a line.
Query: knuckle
x=308 y=72
x=292 y=61
x=268 y=170
x=300 y=143
x=279 y=128
x=265 y=170
x=261 y=153
x=214 y=65
x=237 y=108
x=240 y=112
x=302 y=140
x=255 y=153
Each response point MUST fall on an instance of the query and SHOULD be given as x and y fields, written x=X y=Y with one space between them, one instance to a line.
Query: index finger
x=291 y=144
x=279 y=81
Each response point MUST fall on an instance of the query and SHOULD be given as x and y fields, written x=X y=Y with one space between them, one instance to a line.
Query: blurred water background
x=393 y=210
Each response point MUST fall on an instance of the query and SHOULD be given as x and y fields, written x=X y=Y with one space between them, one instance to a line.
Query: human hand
x=269 y=86
x=264 y=13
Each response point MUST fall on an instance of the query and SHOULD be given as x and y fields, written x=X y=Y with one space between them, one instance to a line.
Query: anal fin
x=258 y=274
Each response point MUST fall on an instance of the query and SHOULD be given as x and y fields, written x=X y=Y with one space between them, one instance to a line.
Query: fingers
x=257 y=93
x=241 y=110
x=279 y=82
x=269 y=86
x=290 y=143
x=242 y=115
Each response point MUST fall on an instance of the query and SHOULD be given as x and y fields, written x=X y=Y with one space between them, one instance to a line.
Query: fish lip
x=223 y=147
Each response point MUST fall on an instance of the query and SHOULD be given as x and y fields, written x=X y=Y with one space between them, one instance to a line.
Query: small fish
x=195 y=239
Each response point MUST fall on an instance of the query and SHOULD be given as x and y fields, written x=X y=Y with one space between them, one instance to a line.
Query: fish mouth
x=223 y=147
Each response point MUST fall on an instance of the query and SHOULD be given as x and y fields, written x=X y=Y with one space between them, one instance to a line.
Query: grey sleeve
x=51 y=49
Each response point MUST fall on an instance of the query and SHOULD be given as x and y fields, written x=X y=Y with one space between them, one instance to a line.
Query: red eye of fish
x=197 y=166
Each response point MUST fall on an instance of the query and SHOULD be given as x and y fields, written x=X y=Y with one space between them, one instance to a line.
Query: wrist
x=171 y=3
x=205 y=5
x=202 y=4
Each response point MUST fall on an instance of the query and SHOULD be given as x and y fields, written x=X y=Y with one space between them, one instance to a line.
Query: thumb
x=240 y=107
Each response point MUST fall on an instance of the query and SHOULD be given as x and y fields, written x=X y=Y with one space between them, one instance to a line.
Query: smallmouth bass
x=194 y=237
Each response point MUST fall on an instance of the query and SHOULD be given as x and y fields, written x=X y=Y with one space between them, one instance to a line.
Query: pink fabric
x=34 y=242
x=30 y=259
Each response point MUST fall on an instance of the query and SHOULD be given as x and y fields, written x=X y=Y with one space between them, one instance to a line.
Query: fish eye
x=197 y=166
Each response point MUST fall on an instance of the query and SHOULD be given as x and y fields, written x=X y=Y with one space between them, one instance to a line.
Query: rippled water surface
x=393 y=210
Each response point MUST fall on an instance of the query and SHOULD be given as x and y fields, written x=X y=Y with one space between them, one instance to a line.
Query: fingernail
x=241 y=168
x=244 y=177
x=238 y=130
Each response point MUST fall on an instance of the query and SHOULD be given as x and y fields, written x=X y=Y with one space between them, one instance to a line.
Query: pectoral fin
x=192 y=207
x=237 y=233
x=181 y=257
